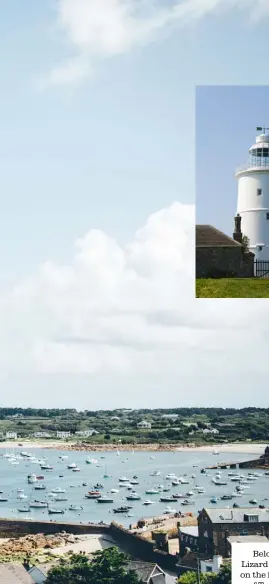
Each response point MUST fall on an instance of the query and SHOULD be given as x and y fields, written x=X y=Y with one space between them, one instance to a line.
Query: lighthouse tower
x=253 y=196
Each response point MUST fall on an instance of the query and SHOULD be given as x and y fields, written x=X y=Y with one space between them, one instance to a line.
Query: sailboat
x=118 y=452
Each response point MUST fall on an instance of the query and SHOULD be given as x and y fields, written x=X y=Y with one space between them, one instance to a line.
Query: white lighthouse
x=253 y=196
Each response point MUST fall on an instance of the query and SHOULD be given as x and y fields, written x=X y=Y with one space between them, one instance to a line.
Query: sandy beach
x=243 y=448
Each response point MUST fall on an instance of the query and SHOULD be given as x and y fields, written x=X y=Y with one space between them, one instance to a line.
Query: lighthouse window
x=267 y=216
x=259 y=151
x=259 y=191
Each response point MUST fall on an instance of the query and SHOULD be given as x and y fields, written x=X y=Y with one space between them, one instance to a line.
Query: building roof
x=14 y=574
x=209 y=236
x=237 y=515
x=145 y=570
x=191 y=530
x=247 y=539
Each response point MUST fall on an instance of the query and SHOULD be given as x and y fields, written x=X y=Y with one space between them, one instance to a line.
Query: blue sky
x=226 y=121
x=97 y=151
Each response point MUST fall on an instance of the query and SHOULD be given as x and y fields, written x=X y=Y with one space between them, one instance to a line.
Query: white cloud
x=125 y=319
x=99 y=29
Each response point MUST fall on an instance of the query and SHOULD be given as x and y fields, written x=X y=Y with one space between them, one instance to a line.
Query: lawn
x=232 y=288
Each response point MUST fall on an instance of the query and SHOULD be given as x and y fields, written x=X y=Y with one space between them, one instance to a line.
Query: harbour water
x=107 y=468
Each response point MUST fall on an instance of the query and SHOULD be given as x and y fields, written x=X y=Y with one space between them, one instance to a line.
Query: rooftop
x=237 y=515
x=191 y=530
x=209 y=236
x=247 y=539
x=14 y=574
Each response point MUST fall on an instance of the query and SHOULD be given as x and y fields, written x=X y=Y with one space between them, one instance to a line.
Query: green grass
x=232 y=288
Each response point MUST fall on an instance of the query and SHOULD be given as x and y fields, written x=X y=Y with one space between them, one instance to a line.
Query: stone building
x=216 y=526
x=220 y=256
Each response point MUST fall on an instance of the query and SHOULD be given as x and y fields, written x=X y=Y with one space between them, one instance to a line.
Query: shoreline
x=233 y=447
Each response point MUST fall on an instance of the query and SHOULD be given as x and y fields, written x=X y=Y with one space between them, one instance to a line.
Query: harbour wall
x=134 y=544
x=20 y=527
x=141 y=548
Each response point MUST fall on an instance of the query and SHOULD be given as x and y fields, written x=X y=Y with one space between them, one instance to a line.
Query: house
x=245 y=539
x=212 y=565
x=210 y=431
x=41 y=435
x=188 y=538
x=216 y=526
x=12 y=573
x=11 y=435
x=172 y=417
x=61 y=434
x=218 y=255
x=144 y=424
x=86 y=433
x=150 y=573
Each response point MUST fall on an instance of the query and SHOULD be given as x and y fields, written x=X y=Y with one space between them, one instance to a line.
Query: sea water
x=128 y=464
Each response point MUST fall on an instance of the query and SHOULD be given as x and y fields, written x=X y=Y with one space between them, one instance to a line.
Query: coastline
x=234 y=447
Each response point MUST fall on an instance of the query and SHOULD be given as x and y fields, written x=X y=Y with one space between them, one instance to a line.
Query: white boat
x=32 y=478
x=76 y=469
x=184 y=481
x=58 y=490
x=169 y=510
x=215 y=452
x=124 y=480
x=190 y=493
x=105 y=499
x=171 y=475
x=75 y=508
x=148 y=502
x=38 y=505
x=176 y=482
x=22 y=496
x=155 y=473
x=24 y=509
x=57 y=498
x=72 y=465
x=114 y=490
x=152 y=492
x=133 y=497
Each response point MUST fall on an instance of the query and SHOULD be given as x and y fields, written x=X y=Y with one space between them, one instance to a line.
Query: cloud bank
x=125 y=318
x=100 y=29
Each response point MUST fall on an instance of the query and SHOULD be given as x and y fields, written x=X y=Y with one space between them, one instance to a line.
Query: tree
x=245 y=243
x=107 y=567
x=223 y=577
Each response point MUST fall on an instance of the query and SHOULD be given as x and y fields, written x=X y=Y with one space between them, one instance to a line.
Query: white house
x=86 y=433
x=11 y=435
x=172 y=417
x=210 y=431
x=213 y=565
x=61 y=434
x=41 y=435
x=144 y=424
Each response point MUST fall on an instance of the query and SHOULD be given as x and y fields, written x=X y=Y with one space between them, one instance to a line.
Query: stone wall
x=20 y=527
x=142 y=549
x=224 y=262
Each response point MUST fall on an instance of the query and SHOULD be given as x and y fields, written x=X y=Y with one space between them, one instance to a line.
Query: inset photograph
x=232 y=192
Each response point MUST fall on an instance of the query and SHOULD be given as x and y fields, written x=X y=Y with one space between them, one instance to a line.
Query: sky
x=97 y=155
x=226 y=119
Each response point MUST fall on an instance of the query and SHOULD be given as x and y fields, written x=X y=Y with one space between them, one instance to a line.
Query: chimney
x=237 y=234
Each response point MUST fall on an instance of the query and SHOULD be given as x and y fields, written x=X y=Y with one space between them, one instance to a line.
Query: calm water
x=128 y=465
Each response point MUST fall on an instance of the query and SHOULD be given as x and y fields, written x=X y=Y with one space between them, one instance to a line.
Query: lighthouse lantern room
x=253 y=196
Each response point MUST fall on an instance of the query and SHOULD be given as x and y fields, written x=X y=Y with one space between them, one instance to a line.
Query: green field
x=232 y=288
